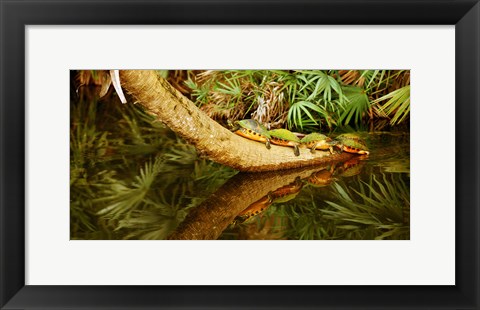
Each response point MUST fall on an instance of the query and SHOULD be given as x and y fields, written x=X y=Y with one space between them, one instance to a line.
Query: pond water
x=133 y=178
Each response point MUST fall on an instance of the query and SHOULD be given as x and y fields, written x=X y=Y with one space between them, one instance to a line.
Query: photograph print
x=285 y=154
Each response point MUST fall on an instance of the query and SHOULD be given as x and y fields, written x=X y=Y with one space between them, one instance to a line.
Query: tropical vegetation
x=303 y=100
x=133 y=178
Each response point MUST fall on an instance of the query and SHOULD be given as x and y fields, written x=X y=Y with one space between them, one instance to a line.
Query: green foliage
x=356 y=107
x=295 y=118
x=305 y=100
x=200 y=92
x=398 y=104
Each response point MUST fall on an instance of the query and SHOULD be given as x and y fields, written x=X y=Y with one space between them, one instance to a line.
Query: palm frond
x=397 y=106
x=358 y=105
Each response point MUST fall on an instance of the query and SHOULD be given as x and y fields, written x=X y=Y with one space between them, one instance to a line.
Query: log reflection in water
x=208 y=220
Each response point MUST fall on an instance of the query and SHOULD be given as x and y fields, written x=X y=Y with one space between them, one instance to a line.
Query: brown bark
x=157 y=96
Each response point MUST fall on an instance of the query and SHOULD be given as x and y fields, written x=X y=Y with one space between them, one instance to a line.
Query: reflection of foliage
x=378 y=209
x=306 y=220
x=396 y=165
x=305 y=100
x=121 y=198
x=123 y=164
x=158 y=216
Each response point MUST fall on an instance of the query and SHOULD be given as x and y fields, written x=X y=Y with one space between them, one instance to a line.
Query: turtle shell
x=315 y=136
x=285 y=137
x=352 y=143
x=318 y=141
x=283 y=134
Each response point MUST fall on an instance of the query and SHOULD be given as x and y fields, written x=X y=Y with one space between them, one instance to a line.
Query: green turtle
x=352 y=143
x=318 y=141
x=285 y=137
x=253 y=130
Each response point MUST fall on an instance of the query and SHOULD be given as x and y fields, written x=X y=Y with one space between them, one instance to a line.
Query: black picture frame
x=15 y=15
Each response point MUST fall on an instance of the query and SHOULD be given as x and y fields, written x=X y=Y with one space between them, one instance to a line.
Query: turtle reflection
x=282 y=194
x=319 y=178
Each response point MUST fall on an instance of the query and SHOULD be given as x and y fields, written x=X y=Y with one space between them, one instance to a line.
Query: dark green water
x=134 y=179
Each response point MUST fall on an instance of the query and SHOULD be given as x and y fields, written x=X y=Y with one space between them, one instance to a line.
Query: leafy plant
x=357 y=105
x=378 y=206
x=397 y=106
x=305 y=100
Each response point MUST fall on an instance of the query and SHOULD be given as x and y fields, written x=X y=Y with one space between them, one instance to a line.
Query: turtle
x=254 y=209
x=352 y=166
x=253 y=130
x=287 y=192
x=318 y=141
x=322 y=177
x=285 y=137
x=352 y=143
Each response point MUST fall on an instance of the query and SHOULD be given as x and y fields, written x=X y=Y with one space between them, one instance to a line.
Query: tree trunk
x=157 y=96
